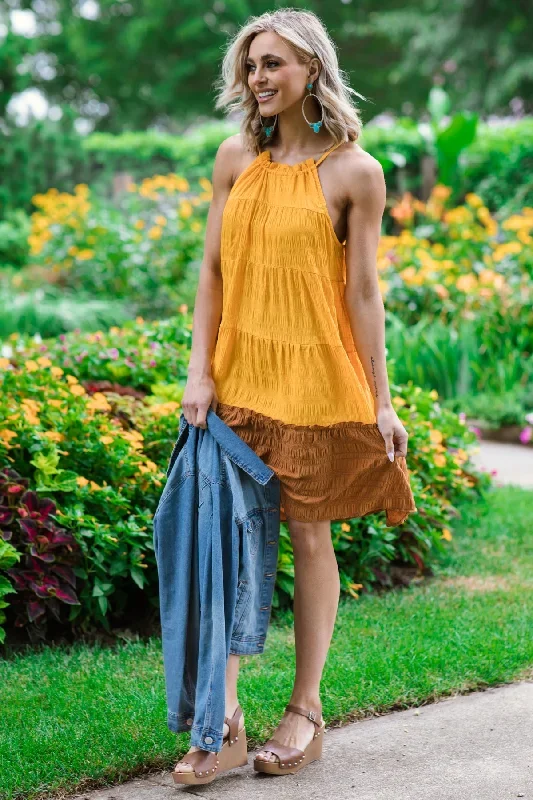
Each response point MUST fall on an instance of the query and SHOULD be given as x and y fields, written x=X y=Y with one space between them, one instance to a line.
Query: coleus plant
x=44 y=579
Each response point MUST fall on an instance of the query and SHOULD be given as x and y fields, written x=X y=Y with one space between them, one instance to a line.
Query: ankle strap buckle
x=312 y=715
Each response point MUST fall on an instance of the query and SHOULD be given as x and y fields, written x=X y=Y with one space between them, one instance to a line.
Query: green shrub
x=14 y=235
x=138 y=249
x=50 y=311
x=90 y=420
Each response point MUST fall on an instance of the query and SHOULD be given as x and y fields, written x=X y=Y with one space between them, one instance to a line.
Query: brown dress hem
x=321 y=466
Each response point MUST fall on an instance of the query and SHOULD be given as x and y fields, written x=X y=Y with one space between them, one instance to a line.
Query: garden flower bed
x=87 y=423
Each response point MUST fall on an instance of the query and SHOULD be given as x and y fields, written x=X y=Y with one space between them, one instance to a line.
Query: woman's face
x=272 y=67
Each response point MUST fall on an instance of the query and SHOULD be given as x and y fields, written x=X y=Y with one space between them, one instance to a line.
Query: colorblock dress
x=285 y=367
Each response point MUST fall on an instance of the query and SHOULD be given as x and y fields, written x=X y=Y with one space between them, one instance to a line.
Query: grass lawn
x=79 y=718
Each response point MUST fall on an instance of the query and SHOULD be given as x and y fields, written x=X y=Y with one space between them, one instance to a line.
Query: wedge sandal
x=207 y=765
x=291 y=759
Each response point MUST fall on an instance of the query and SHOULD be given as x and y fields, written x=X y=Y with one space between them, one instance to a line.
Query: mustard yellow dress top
x=287 y=374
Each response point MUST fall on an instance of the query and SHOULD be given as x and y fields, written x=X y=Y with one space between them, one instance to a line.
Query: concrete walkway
x=477 y=747
x=513 y=462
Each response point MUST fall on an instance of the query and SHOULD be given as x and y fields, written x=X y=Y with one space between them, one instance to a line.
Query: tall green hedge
x=498 y=166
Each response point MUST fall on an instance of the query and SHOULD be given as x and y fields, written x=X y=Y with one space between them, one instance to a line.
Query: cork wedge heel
x=291 y=759
x=207 y=765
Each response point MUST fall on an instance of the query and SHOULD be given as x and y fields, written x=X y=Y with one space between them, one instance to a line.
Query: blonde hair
x=304 y=32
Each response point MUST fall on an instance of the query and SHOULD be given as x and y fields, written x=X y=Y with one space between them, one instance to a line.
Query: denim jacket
x=216 y=537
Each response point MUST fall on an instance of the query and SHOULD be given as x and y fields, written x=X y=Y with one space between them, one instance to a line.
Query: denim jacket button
x=208 y=740
x=189 y=721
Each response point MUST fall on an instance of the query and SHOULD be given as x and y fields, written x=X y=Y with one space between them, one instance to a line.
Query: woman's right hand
x=198 y=396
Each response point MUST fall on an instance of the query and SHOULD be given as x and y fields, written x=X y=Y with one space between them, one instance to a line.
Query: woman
x=288 y=333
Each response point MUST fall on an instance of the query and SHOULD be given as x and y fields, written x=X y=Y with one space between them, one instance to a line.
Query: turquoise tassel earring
x=314 y=125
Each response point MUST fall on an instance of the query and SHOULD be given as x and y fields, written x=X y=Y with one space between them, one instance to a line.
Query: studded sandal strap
x=202 y=761
x=287 y=755
x=233 y=724
x=306 y=712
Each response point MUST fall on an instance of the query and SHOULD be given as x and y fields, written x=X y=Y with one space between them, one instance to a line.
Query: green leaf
x=138 y=576
x=46 y=462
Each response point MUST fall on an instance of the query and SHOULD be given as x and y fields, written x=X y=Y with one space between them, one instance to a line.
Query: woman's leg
x=316 y=599
x=232 y=674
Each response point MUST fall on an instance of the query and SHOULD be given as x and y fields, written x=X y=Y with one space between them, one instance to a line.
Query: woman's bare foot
x=294 y=730
x=182 y=765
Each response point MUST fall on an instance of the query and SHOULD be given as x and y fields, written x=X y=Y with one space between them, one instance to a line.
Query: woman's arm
x=366 y=191
x=200 y=391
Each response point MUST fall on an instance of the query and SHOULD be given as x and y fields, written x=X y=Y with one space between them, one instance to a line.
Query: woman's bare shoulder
x=234 y=155
x=354 y=162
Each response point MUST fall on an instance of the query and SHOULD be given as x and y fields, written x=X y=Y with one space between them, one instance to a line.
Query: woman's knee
x=309 y=537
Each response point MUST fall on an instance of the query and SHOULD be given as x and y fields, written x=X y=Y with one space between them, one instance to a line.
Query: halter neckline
x=301 y=166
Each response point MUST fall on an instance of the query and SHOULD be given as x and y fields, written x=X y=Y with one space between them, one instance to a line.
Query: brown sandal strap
x=288 y=756
x=202 y=761
x=233 y=724
x=306 y=712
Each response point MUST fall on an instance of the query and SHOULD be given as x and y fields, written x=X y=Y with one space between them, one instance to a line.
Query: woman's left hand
x=393 y=432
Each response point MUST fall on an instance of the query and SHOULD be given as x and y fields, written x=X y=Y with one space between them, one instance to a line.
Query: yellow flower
x=106 y=439
x=446 y=534
x=473 y=200
x=44 y=361
x=435 y=436
x=77 y=389
x=439 y=460
x=185 y=209
x=139 y=320
x=441 y=191
x=398 y=401
x=84 y=255
x=72 y=379
x=139 y=224
x=434 y=396
x=81 y=481
x=56 y=372
x=94 y=486
x=161 y=220
x=4 y=363
x=55 y=402
x=54 y=436
x=155 y=232
x=31 y=366
x=345 y=526
x=466 y=283
x=6 y=435
x=98 y=402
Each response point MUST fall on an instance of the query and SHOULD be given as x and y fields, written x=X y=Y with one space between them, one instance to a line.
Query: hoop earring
x=314 y=125
x=269 y=129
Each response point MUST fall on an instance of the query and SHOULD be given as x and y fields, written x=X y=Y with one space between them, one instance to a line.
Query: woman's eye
x=269 y=63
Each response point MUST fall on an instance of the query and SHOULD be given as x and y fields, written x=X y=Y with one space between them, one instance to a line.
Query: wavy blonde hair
x=305 y=33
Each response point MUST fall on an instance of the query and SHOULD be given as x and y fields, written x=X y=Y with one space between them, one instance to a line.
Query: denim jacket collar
x=234 y=447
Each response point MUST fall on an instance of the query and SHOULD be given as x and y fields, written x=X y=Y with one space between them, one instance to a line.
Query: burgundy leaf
x=65 y=572
x=48 y=558
x=6 y=515
x=35 y=610
x=29 y=526
x=67 y=595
